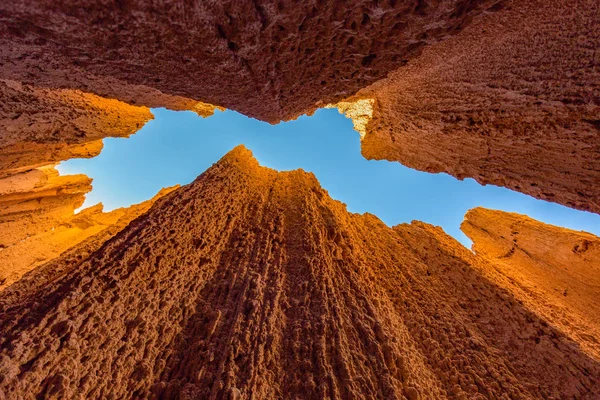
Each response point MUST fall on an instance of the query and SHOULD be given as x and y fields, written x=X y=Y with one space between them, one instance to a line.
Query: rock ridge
x=555 y=270
x=503 y=91
x=250 y=282
x=38 y=220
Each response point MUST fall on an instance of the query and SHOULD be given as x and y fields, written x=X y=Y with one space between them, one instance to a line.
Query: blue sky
x=176 y=147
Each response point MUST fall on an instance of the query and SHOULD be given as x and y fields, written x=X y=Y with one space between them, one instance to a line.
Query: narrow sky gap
x=176 y=147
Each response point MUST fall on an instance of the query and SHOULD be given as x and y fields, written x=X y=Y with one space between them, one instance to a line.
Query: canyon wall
x=43 y=126
x=255 y=283
x=270 y=60
x=556 y=271
x=503 y=91
x=40 y=127
x=36 y=201
x=40 y=224
x=513 y=100
x=38 y=220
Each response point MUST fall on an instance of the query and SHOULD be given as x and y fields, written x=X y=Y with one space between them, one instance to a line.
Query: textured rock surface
x=505 y=92
x=512 y=100
x=42 y=126
x=556 y=271
x=67 y=230
x=250 y=283
x=38 y=128
x=267 y=59
x=36 y=201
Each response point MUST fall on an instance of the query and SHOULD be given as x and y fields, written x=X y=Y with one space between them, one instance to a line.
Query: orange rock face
x=503 y=91
x=250 y=283
x=36 y=201
x=38 y=235
x=271 y=60
x=556 y=271
x=42 y=126
x=512 y=100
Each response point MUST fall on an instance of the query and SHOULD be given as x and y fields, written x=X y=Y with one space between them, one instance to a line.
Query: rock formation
x=249 y=283
x=252 y=283
x=513 y=100
x=43 y=126
x=32 y=236
x=271 y=60
x=503 y=91
x=38 y=221
x=38 y=128
x=555 y=271
x=36 y=201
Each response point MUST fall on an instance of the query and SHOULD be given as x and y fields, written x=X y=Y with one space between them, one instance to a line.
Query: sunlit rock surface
x=359 y=111
x=555 y=271
x=40 y=127
x=33 y=235
x=252 y=283
x=38 y=200
x=43 y=126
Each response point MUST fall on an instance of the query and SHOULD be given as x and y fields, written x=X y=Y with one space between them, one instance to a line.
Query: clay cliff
x=255 y=283
x=512 y=100
x=271 y=60
x=34 y=235
x=38 y=128
x=43 y=126
x=252 y=283
x=35 y=201
x=556 y=271
x=503 y=91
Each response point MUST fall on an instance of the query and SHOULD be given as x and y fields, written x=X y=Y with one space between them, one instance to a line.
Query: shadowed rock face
x=271 y=60
x=253 y=283
x=513 y=100
x=556 y=271
x=505 y=92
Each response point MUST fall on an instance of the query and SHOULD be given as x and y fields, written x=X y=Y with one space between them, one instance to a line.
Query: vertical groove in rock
x=255 y=283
